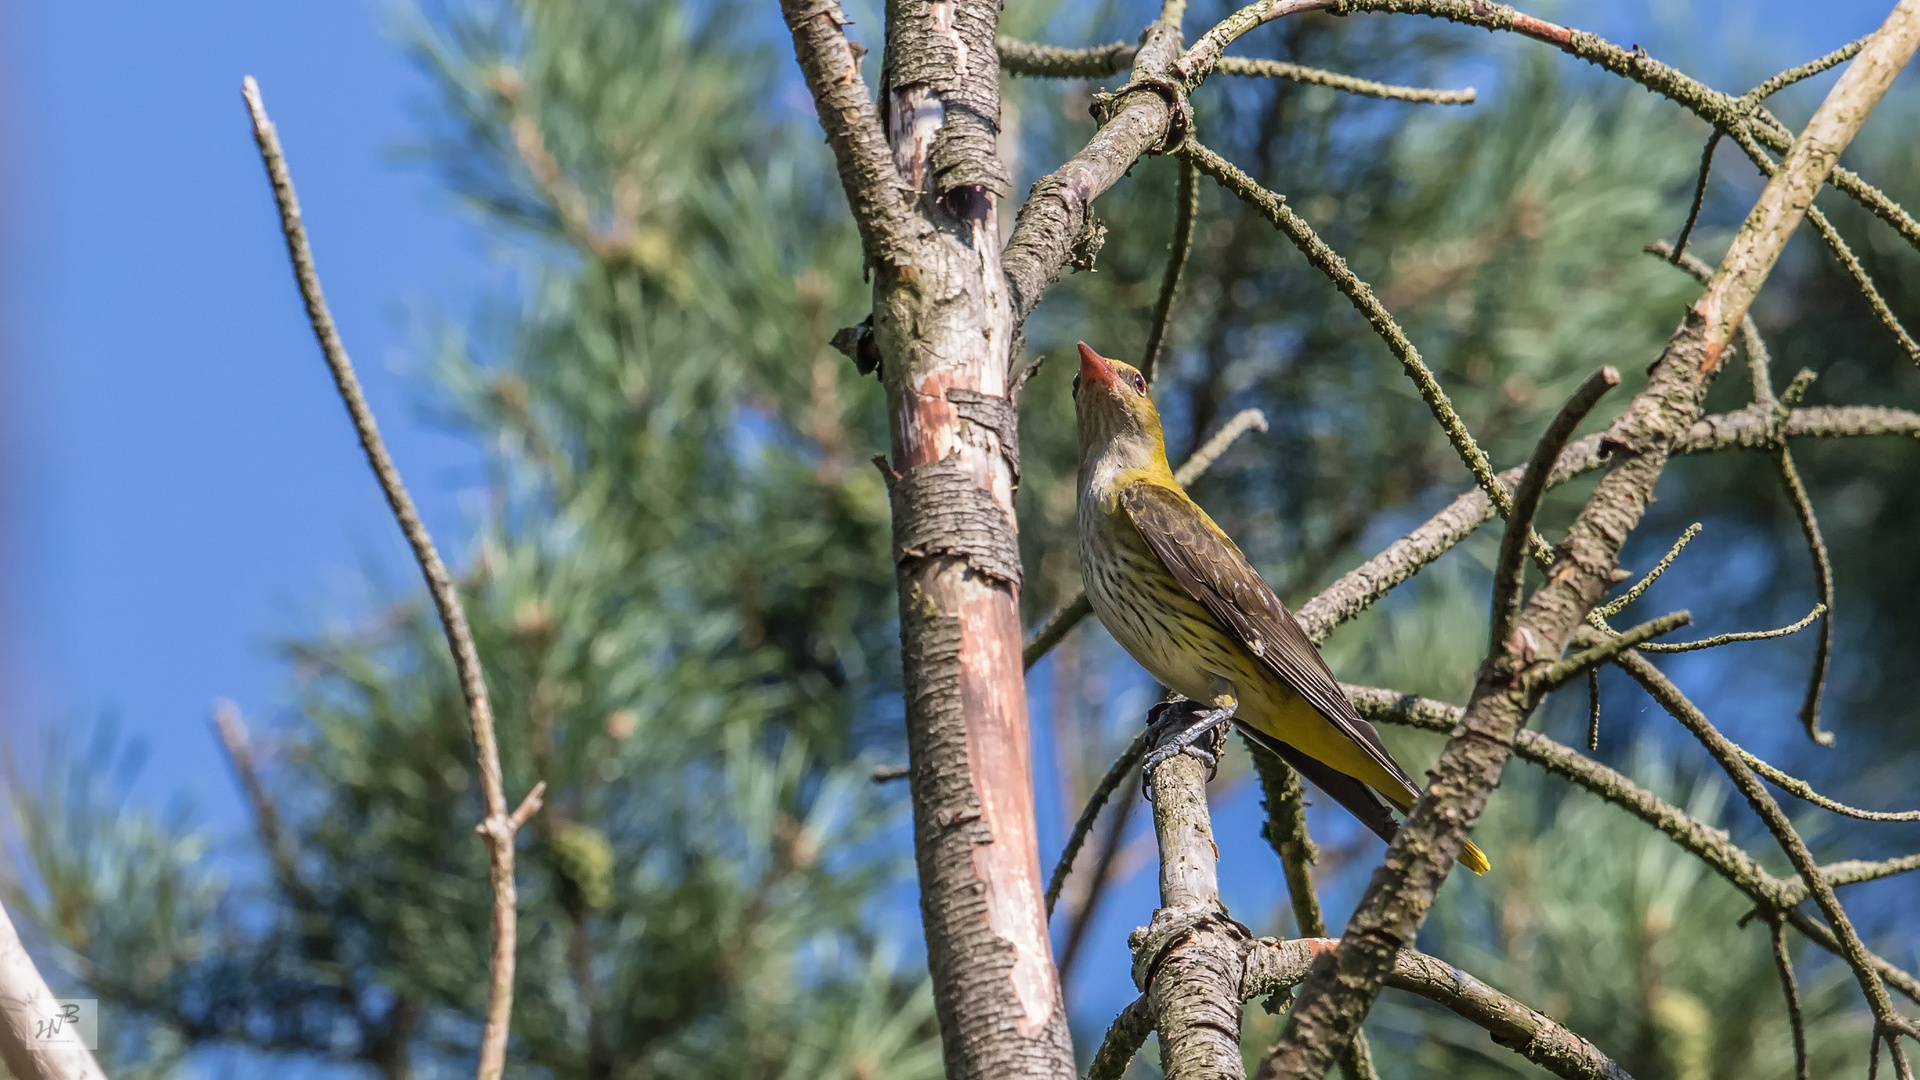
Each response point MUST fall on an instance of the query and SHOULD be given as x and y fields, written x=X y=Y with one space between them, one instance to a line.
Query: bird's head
x=1119 y=427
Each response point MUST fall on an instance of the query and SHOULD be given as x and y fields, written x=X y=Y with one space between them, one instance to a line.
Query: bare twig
x=1718 y=640
x=1118 y=773
x=1699 y=196
x=1593 y=709
x=1054 y=628
x=1199 y=61
x=1068 y=615
x=1509 y=577
x=1300 y=73
x=1615 y=606
x=500 y=824
x=1733 y=762
x=1823 y=585
x=1803 y=71
x=1113 y=846
x=1783 y=963
x=1361 y=295
x=1051 y=61
x=1186 y=209
x=1561 y=672
x=1802 y=790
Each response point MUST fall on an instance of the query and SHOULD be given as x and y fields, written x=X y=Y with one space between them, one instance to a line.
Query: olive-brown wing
x=1212 y=570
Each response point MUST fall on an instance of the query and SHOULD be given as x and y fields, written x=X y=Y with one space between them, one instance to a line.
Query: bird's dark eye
x=1139 y=382
x=1076 y=386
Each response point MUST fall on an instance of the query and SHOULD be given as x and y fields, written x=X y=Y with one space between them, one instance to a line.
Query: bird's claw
x=1178 y=727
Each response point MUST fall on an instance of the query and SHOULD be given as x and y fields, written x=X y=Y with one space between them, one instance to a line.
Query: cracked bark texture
x=1336 y=999
x=924 y=183
x=1188 y=960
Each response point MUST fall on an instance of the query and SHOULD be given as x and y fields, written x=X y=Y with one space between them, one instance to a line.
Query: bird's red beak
x=1094 y=368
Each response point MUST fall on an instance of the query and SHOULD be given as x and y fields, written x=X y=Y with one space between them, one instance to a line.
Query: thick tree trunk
x=944 y=329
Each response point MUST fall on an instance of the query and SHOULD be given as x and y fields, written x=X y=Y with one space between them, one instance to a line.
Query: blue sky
x=179 y=483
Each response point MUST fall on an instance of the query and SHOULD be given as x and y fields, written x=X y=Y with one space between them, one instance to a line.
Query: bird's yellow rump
x=1179 y=596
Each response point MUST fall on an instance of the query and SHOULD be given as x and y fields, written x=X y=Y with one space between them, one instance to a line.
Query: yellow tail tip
x=1474 y=859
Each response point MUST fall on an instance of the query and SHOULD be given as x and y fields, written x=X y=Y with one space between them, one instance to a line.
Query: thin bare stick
x=1194 y=66
x=1122 y=766
x=1823 y=584
x=1718 y=640
x=1053 y=62
x=1300 y=73
x=1561 y=672
x=1804 y=791
x=500 y=823
x=1699 y=196
x=1804 y=71
x=1068 y=615
x=1593 y=709
x=1509 y=578
x=1361 y=295
x=1783 y=963
x=1054 y=628
x=1186 y=209
x=1614 y=607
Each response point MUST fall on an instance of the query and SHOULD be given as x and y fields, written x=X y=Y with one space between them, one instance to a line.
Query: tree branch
x=831 y=65
x=1186 y=209
x=1053 y=62
x=1272 y=966
x=1509 y=576
x=1733 y=761
x=1710 y=845
x=1300 y=73
x=499 y=825
x=1189 y=959
x=1333 y=1003
x=28 y=1014
x=1060 y=207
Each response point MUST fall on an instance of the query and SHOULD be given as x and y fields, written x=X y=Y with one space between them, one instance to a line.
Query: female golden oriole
x=1179 y=596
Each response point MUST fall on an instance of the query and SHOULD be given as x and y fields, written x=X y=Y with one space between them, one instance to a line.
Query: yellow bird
x=1180 y=597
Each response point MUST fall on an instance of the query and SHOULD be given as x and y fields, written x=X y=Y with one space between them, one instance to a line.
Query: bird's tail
x=1474 y=859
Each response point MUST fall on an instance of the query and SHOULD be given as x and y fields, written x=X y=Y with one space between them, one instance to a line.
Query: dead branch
x=29 y=1018
x=1187 y=208
x=1710 y=845
x=1188 y=960
x=1509 y=576
x=500 y=825
x=1272 y=966
x=1734 y=763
